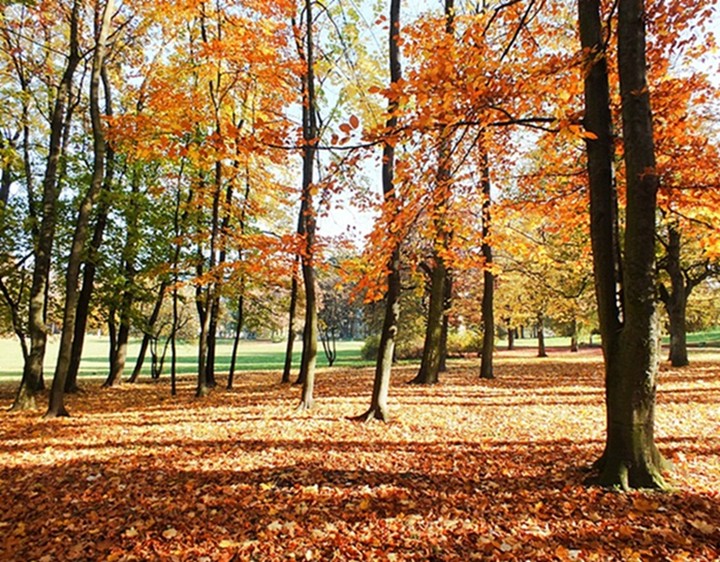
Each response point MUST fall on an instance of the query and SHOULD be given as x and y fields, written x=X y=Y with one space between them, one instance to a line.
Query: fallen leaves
x=468 y=469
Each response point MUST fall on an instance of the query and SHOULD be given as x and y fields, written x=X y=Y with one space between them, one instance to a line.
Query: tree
x=383 y=365
x=628 y=321
x=47 y=216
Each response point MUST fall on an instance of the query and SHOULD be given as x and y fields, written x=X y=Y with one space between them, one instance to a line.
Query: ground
x=468 y=469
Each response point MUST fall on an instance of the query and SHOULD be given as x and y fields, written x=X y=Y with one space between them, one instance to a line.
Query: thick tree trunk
x=631 y=459
x=119 y=357
x=574 y=336
x=43 y=243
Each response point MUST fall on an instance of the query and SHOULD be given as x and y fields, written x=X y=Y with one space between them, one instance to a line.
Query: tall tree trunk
x=212 y=341
x=488 y=300
x=307 y=218
x=56 y=406
x=43 y=243
x=631 y=348
x=90 y=266
x=430 y=363
x=202 y=302
x=383 y=365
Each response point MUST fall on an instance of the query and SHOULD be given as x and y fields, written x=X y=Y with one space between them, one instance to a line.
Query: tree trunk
x=511 y=335
x=542 y=352
x=488 y=300
x=676 y=302
x=291 y=325
x=307 y=218
x=430 y=363
x=56 y=406
x=117 y=363
x=574 y=336
x=90 y=267
x=630 y=459
x=236 y=338
x=383 y=365
x=43 y=243
x=212 y=341
x=447 y=303
x=149 y=328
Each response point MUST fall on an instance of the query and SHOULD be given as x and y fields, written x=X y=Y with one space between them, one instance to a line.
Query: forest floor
x=467 y=469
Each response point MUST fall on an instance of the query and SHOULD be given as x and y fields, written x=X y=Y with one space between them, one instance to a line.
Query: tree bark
x=43 y=243
x=307 y=218
x=378 y=409
x=430 y=363
x=287 y=368
x=542 y=352
x=630 y=459
x=90 y=266
x=431 y=357
x=676 y=301
x=488 y=300
x=56 y=406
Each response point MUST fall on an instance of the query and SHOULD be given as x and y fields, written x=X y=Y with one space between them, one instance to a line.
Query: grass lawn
x=252 y=356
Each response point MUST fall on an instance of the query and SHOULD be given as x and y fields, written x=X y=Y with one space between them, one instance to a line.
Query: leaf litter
x=466 y=470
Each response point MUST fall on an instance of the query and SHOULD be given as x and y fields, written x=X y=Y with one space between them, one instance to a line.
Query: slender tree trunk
x=676 y=301
x=447 y=303
x=202 y=304
x=149 y=328
x=56 y=406
x=236 y=339
x=430 y=363
x=90 y=266
x=488 y=300
x=43 y=243
x=212 y=341
x=307 y=218
x=291 y=325
x=383 y=365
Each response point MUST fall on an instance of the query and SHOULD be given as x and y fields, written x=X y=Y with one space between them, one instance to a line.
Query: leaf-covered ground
x=468 y=469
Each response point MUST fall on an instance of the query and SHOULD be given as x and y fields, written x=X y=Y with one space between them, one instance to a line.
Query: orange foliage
x=470 y=469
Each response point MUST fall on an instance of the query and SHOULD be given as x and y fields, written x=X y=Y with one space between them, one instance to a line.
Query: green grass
x=252 y=356
x=702 y=339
